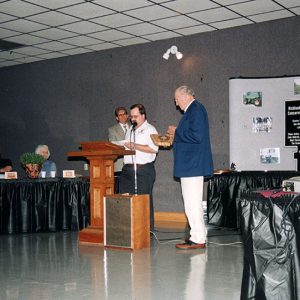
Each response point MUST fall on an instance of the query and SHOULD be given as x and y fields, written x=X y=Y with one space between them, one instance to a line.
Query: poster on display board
x=292 y=127
x=257 y=121
x=292 y=123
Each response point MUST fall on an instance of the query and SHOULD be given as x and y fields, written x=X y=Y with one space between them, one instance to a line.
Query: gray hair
x=39 y=147
x=186 y=90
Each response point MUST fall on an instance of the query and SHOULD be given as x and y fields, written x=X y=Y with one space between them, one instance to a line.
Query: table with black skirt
x=44 y=205
x=270 y=229
x=224 y=191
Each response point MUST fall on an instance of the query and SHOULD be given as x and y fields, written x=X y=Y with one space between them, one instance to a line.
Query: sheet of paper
x=120 y=143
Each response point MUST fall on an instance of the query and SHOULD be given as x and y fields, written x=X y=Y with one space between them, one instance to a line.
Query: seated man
x=48 y=165
x=5 y=165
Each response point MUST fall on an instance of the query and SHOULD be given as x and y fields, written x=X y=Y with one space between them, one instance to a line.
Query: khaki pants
x=192 y=193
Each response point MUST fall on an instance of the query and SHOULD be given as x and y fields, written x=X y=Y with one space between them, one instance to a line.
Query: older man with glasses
x=192 y=161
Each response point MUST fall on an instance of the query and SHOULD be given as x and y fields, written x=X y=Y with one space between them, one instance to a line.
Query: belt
x=137 y=165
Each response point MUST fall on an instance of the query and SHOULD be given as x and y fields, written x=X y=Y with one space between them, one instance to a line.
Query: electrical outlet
x=86 y=167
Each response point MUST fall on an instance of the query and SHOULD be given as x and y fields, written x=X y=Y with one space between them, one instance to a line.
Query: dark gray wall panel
x=64 y=101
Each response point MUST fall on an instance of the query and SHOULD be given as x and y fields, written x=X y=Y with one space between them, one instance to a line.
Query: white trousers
x=192 y=193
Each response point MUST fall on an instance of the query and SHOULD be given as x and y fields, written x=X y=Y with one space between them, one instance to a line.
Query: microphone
x=134 y=124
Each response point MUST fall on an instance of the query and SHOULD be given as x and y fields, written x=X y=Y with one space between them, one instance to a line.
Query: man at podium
x=117 y=133
x=138 y=173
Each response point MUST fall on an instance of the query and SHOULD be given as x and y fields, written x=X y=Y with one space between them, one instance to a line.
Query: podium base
x=91 y=235
x=127 y=221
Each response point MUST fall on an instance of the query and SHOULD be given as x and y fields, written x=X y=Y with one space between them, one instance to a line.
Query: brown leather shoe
x=190 y=245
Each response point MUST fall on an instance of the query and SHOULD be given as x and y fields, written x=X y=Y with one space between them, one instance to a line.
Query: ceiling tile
x=289 y=3
x=9 y=63
x=228 y=2
x=83 y=27
x=142 y=29
x=52 y=55
x=80 y=41
x=86 y=10
x=186 y=6
x=116 y=20
x=29 y=59
x=255 y=7
x=176 y=22
x=271 y=16
x=31 y=51
x=160 y=1
x=26 y=39
x=5 y=18
x=53 y=18
x=55 y=46
x=296 y=10
x=54 y=33
x=54 y=4
x=75 y=51
x=214 y=15
x=10 y=55
x=152 y=13
x=6 y=33
x=119 y=6
x=110 y=35
x=195 y=29
x=132 y=41
x=162 y=35
x=23 y=26
x=20 y=9
x=231 y=23
x=102 y=46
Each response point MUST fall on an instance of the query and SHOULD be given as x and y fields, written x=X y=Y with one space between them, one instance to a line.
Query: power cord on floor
x=169 y=241
x=176 y=240
x=227 y=244
x=160 y=231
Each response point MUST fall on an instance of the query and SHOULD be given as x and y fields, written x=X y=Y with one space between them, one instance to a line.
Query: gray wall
x=64 y=101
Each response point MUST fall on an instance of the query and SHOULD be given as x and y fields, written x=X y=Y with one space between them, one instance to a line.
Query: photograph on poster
x=297 y=86
x=252 y=98
x=270 y=155
x=262 y=124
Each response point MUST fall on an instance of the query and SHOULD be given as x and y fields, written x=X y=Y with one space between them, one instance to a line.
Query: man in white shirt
x=138 y=139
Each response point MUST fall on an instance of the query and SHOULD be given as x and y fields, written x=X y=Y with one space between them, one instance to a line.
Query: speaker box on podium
x=127 y=221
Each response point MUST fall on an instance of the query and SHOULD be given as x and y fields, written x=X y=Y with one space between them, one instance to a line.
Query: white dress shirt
x=142 y=136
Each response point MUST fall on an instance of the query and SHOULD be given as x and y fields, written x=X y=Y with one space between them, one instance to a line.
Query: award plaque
x=162 y=140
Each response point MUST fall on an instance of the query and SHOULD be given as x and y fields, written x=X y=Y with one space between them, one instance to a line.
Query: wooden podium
x=101 y=155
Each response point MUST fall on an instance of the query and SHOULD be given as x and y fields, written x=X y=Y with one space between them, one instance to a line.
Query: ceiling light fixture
x=172 y=50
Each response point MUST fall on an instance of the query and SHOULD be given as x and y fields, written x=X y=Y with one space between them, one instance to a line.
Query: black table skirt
x=270 y=229
x=41 y=205
x=224 y=192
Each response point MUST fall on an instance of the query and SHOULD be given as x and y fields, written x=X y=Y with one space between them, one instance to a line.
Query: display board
x=258 y=114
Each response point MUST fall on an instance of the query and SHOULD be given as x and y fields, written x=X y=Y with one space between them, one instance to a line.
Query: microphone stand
x=134 y=164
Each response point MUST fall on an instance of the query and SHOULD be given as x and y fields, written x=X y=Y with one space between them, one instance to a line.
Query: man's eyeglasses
x=134 y=116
